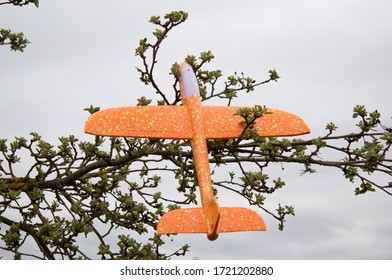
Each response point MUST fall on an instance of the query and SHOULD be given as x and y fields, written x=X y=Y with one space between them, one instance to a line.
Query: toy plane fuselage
x=197 y=123
x=191 y=99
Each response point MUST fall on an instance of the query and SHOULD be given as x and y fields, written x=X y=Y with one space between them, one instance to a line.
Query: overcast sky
x=331 y=55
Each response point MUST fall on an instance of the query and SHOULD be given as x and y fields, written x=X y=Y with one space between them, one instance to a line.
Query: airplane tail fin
x=192 y=220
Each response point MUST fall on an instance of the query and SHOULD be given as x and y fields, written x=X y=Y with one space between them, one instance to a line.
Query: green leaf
x=364 y=188
x=260 y=199
x=159 y=34
x=16 y=41
x=359 y=110
x=319 y=142
x=143 y=101
x=3 y=145
x=207 y=56
x=14 y=194
x=331 y=127
x=175 y=70
x=279 y=183
x=142 y=48
x=12 y=236
x=155 y=20
x=103 y=249
x=191 y=60
x=92 y=109
x=176 y=16
x=273 y=75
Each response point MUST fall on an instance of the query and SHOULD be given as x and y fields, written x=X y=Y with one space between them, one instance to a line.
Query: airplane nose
x=188 y=82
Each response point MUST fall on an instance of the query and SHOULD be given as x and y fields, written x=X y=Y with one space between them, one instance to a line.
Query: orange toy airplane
x=197 y=123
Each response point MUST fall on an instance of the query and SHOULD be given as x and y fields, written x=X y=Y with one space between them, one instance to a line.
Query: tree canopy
x=73 y=190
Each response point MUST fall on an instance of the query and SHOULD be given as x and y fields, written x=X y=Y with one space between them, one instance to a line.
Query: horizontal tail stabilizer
x=192 y=220
x=240 y=219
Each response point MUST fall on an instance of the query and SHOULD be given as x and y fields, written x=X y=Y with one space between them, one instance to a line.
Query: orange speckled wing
x=172 y=122
x=220 y=123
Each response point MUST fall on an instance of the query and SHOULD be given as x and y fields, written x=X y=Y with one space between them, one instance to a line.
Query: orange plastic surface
x=202 y=165
x=220 y=123
x=197 y=123
x=192 y=220
x=173 y=122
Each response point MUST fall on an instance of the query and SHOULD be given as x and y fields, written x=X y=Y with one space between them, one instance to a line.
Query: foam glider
x=197 y=123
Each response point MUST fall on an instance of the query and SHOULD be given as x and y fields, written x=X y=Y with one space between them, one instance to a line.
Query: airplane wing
x=220 y=123
x=173 y=122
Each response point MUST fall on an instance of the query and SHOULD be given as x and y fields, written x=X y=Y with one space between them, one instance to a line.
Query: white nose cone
x=189 y=85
